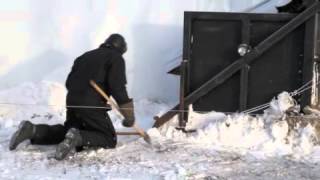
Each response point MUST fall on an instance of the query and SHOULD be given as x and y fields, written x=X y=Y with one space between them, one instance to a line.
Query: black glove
x=127 y=110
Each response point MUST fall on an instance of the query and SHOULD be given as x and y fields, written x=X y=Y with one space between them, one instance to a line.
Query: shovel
x=140 y=131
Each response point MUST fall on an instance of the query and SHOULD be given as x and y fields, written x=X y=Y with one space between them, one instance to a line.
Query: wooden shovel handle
x=128 y=133
x=114 y=106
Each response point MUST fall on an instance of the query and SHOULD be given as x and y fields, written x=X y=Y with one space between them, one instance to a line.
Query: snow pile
x=42 y=103
x=236 y=146
x=264 y=135
x=267 y=134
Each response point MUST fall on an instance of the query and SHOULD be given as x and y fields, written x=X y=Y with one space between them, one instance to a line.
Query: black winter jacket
x=106 y=67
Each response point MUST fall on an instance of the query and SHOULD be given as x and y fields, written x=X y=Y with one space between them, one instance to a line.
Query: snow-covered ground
x=234 y=146
x=40 y=40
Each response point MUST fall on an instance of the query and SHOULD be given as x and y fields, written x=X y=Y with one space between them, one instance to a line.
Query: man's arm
x=117 y=81
x=117 y=86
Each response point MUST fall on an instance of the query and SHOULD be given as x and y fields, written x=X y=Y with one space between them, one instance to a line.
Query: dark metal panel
x=283 y=31
x=233 y=69
x=257 y=52
x=215 y=48
x=278 y=68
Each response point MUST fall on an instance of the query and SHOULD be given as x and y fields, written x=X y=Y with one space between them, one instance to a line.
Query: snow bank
x=43 y=102
x=267 y=134
x=224 y=146
x=263 y=136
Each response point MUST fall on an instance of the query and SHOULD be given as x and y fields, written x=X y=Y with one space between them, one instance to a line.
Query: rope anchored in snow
x=294 y=93
x=93 y=107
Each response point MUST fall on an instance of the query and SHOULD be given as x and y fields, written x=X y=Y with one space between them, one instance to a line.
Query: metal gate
x=278 y=52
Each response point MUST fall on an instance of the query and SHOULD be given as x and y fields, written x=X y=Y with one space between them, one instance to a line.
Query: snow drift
x=225 y=145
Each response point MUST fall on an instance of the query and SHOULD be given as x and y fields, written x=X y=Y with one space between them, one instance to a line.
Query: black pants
x=95 y=128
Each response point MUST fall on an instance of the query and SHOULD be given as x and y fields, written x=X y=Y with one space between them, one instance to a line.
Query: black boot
x=26 y=130
x=72 y=140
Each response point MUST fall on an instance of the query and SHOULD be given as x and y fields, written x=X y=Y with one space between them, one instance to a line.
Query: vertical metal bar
x=187 y=57
x=315 y=82
x=187 y=35
x=243 y=101
x=244 y=88
x=315 y=86
x=309 y=57
x=245 y=30
x=184 y=70
x=182 y=108
x=317 y=59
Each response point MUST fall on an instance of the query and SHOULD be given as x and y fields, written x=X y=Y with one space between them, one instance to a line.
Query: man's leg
x=97 y=139
x=44 y=134
x=96 y=131
x=72 y=140
x=76 y=138
x=48 y=135
x=38 y=134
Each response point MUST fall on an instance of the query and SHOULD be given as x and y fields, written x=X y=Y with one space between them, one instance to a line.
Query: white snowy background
x=40 y=40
